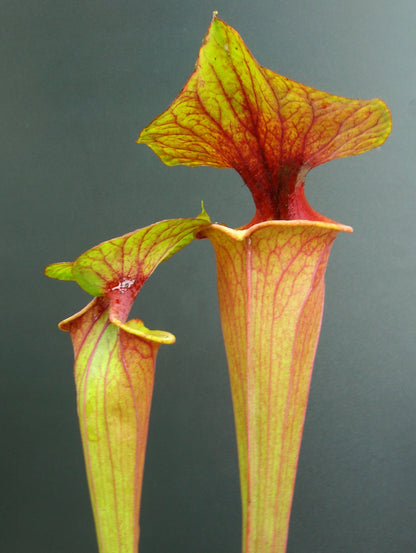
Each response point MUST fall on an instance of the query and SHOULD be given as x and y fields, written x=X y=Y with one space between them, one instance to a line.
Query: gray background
x=79 y=80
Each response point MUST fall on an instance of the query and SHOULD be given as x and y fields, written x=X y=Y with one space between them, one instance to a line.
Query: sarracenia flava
x=231 y=113
x=114 y=370
x=234 y=113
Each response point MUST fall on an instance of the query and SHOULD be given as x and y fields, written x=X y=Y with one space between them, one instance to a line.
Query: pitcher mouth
x=244 y=232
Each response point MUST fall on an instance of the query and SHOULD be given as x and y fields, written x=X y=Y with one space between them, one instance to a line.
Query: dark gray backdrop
x=79 y=80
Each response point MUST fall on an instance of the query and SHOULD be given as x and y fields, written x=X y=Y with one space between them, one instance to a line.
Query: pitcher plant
x=234 y=113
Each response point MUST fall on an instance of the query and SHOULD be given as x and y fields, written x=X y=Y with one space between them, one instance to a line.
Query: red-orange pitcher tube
x=271 y=294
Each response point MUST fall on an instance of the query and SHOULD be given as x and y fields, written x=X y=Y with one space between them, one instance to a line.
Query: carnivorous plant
x=232 y=113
